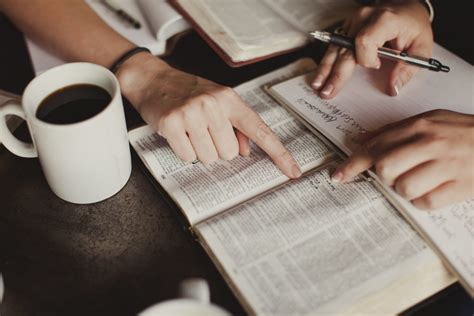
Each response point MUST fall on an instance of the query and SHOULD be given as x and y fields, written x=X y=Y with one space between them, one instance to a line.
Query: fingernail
x=337 y=177
x=397 y=87
x=378 y=66
x=318 y=81
x=296 y=171
x=327 y=90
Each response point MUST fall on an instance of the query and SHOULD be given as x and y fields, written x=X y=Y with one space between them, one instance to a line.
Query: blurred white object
x=194 y=301
x=1 y=287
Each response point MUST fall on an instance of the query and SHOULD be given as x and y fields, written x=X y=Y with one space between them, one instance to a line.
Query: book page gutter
x=363 y=105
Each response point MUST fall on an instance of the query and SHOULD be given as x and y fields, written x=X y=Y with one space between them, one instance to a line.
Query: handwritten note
x=363 y=104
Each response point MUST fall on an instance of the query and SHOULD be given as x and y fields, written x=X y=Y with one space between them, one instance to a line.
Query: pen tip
x=322 y=36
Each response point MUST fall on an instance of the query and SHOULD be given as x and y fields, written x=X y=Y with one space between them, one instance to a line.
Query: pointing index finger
x=250 y=124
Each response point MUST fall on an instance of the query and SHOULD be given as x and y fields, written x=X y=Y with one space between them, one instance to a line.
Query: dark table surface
x=119 y=256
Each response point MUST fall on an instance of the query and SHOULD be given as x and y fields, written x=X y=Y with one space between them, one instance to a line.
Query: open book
x=245 y=31
x=159 y=22
x=305 y=246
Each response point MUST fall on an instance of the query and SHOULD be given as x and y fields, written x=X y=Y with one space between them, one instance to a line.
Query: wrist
x=135 y=74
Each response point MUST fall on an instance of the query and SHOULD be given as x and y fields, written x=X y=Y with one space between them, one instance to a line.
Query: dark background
x=122 y=255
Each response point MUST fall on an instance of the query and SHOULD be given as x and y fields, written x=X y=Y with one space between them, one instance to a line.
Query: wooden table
x=119 y=256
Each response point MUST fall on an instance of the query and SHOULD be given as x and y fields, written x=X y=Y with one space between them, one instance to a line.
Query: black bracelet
x=116 y=65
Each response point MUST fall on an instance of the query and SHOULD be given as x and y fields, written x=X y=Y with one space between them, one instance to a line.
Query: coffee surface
x=72 y=104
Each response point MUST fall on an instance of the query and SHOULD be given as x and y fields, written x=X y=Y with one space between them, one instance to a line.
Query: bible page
x=363 y=105
x=312 y=15
x=244 y=29
x=312 y=246
x=205 y=190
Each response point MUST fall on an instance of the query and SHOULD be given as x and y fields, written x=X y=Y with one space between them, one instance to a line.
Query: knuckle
x=362 y=12
x=421 y=124
x=284 y=155
x=263 y=131
x=226 y=91
x=188 y=116
x=209 y=105
x=170 y=123
x=385 y=15
x=362 y=41
x=383 y=170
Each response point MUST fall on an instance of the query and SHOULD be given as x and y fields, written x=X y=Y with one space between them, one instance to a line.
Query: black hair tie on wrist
x=116 y=65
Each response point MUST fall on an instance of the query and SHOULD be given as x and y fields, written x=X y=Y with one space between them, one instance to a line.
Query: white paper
x=316 y=247
x=363 y=105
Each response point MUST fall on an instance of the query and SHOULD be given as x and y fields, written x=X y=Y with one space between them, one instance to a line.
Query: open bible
x=159 y=25
x=245 y=31
x=297 y=246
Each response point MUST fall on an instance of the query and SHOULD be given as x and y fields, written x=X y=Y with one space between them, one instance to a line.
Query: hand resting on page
x=428 y=158
x=199 y=118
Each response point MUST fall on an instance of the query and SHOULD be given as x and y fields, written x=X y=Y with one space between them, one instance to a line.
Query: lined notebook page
x=363 y=105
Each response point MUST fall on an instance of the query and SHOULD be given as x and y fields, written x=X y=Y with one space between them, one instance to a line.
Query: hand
x=199 y=118
x=428 y=158
x=405 y=26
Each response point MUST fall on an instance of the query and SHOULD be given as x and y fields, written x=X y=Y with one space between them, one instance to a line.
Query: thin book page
x=203 y=191
x=244 y=29
x=312 y=246
x=362 y=105
x=311 y=15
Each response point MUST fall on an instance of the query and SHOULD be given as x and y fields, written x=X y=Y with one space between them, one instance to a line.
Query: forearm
x=69 y=29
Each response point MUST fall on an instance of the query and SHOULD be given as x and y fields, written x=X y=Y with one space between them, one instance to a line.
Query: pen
x=347 y=42
x=114 y=7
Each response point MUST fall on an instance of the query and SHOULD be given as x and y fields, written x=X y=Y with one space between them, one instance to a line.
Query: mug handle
x=13 y=144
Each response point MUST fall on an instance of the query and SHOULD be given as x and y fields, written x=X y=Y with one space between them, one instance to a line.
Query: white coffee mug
x=194 y=301
x=83 y=162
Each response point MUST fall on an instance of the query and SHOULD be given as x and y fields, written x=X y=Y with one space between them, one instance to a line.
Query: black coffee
x=73 y=104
